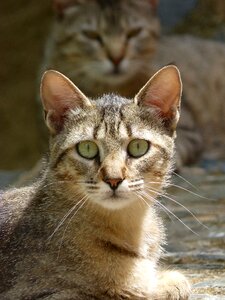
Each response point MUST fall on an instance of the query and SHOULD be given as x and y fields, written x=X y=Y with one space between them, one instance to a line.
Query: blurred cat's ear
x=154 y=4
x=59 y=95
x=162 y=93
x=60 y=5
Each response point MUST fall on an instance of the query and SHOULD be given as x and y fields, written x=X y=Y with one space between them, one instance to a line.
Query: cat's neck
x=124 y=228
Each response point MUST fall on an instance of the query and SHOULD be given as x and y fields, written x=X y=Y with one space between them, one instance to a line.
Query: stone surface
x=199 y=251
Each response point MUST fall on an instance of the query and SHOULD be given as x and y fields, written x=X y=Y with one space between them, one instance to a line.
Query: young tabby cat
x=89 y=228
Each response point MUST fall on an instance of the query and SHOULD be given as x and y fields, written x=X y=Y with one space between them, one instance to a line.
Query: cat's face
x=113 y=149
x=105 y=41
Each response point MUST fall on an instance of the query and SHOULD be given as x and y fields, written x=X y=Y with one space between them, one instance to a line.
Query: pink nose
x=113 y=182
x=116 y=59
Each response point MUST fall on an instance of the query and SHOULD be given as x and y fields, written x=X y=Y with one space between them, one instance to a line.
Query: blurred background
x=24 y=27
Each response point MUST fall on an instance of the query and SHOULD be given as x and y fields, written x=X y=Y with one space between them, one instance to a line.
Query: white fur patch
x=105 y=197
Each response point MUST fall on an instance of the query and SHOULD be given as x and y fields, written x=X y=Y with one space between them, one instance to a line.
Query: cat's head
x=105 y=42
x=113 y=150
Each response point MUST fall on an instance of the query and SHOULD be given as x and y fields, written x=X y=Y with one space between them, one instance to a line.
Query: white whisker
x=64 y=218
x=141 y=197
x=167 y=196
x=175 y=216
x=182 y=188
x=84 y=199
x=193 y=193
x=185 y=180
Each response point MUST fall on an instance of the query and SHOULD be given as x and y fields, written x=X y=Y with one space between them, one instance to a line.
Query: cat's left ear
x=154 y=4
x=60 y=5
x=59 y=95
x=162 y=93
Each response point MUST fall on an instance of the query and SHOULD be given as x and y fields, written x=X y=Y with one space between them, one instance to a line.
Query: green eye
x=137 y=148
x=87 y=149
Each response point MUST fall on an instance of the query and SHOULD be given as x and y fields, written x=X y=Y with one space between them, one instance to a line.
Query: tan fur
x=74 y=234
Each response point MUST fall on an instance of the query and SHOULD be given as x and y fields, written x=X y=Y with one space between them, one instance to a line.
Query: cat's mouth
x=116 y=72
x=116 y=195
x=114 y=200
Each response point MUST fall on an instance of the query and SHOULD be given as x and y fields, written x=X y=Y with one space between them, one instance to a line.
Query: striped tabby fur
x=89 y=229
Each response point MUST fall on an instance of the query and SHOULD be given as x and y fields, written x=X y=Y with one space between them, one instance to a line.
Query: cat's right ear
x=59 y=95
x=162 y=93
x=154 y=4
x=60 y=5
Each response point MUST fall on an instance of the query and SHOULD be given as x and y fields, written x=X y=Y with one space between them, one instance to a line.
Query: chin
x=114 y=202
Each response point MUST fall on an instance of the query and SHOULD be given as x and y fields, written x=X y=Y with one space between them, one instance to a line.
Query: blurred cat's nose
x=116 y=59
x=113 y=182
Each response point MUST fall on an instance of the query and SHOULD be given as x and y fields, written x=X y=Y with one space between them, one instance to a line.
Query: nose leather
x=113 y=182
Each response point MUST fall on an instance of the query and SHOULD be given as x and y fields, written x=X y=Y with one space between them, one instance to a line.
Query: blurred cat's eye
x=138 y=148
x=92 y=34
x=87 y=149
x=134 y=32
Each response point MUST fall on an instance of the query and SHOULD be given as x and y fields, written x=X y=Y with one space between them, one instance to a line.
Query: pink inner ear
x=162 y=91
x=162 y=97
x=56 y=112
x=60 y=103
x=59 y=95
x=154 y=4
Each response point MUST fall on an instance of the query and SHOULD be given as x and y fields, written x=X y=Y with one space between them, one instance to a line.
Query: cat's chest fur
x=84 y=250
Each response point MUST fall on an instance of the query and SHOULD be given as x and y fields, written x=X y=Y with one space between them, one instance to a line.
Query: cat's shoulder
x=13 y=202
x=14 y=195
x=195 y=57
x=187 y=39
x=181 y=47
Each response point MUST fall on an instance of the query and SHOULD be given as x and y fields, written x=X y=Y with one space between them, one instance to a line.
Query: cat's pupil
x=138 y=148
x=87 y=149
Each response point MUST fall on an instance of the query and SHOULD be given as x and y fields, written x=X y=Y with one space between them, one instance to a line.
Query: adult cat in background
x=115 y=46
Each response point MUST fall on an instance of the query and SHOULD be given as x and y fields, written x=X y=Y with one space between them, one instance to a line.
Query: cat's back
x=197 y=58
x=202 y=66
x=13 y=204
